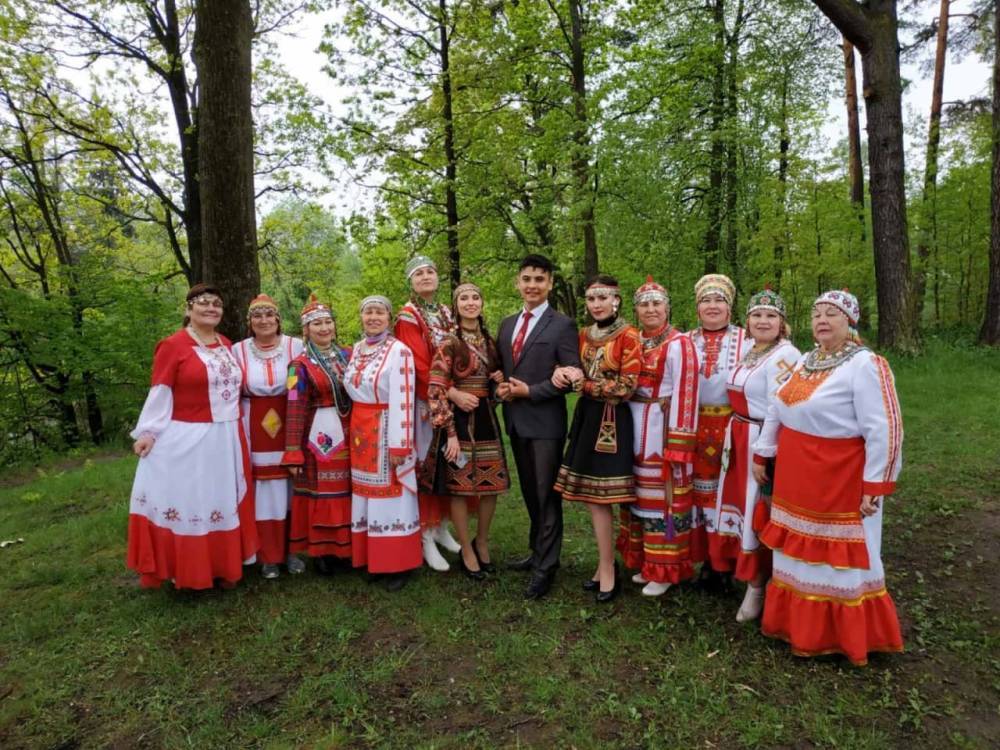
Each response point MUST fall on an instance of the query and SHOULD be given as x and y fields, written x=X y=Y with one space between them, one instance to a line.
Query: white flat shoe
x=752 y=606
x=433 y=556
x=655 y=589
x=638 y=578
x=443 y=537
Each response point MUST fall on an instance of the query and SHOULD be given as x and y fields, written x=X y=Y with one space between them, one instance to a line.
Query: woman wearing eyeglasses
x=191 y=515
x=264 y=358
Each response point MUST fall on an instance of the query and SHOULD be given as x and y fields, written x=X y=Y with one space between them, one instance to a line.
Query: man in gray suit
x=532 y=344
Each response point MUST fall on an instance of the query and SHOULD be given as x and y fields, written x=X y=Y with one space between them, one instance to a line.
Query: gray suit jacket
x=553 y=342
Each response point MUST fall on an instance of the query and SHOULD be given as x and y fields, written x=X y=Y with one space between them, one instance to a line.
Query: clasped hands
x=568 y=376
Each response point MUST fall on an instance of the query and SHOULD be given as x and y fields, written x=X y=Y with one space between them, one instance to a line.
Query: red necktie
x=519 y=339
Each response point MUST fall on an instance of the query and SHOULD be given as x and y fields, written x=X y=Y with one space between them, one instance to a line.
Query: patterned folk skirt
x=485 y=471
x=597 y=467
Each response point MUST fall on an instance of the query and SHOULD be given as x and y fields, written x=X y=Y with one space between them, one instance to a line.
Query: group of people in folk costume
x=725 y=448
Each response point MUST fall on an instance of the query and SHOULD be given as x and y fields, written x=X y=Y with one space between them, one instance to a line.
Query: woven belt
x=715 y=411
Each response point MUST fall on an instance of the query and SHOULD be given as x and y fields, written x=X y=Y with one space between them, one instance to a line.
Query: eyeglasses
x=207 y=302
x=263 y=314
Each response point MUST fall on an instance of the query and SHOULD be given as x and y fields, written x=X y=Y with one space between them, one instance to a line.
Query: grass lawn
x=87 y=659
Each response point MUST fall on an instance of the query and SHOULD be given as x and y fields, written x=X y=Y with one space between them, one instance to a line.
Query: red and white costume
x=191 y=514
x=718 y=354
x=838 y=435
x=655 y=533
x=740 y=515
x=385 y=520
x=265 y=401
x=424 y=327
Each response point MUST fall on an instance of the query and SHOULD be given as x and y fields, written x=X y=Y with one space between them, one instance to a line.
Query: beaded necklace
x=366 y=352
x=263 y=355
x=332 y=363
x=816 y=368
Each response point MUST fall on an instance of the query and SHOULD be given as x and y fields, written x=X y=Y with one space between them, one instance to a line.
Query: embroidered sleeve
x=296 y=415
x=402 y=400
x=877 y=410
x=409 y=332
x=437 y=389
x=156 y=412
x=682 y=422
x=624 y=362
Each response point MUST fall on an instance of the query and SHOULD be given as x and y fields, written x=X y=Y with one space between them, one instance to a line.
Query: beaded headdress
x=314 y=310
x=766 y=299
x=418 y=261
x=262 y=301
x=603 y=287
x=650 y=291
x=467 y=286
x=715 y=283
x=843 y=300
x=375 y=299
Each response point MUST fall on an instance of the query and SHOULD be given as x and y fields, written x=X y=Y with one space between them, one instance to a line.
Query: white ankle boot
x=443 y=537
x=753 y=604
x=655 y=589
x=432 y=556
x=638 y=578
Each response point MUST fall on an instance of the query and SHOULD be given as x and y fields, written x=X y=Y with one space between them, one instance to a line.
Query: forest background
x=636 y=137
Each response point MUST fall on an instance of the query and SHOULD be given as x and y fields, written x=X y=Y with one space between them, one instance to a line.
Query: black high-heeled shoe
x=591 y=585
x=486 y=567
x=475 y=575
x=603 y=597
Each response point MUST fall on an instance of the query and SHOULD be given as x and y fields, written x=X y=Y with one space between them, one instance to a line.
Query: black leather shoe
x=539 y=586
x=486 y=567
x=591 y=585
x=396 y=581
x=603 y=597
x=522 y=564
x=323 y=565
x=475 y=575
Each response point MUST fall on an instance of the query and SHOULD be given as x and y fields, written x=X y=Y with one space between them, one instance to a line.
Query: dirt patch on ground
x=947 y=679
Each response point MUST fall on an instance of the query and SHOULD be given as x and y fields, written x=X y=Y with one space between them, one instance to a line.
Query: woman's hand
x=760 y=473
x=452 y=449
x=497 y=376
x=464 y=401
x=143 y=445
x=295 y=470
x=397 y=460
x=869 y=505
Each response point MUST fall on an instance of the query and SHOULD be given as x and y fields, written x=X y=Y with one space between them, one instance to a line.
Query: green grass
x=87 y=659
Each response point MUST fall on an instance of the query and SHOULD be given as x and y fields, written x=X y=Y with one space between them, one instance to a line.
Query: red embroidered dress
x=264 y=404
x=423 y=327
x=466 y=364
x=718 y=353
x=739 y=507
x=316 y=440
x=655 y=534
x=385 y=520
x=191 y=514
x=597 y=467
x=836 y=428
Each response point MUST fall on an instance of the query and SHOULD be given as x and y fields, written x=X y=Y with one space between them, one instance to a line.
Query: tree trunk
x=928 y=202
x=784 y=144
x=873 y=29
x=855 y=170
x=223 y=34
x=731 y=248
x=185 y=120
x=581 y=142
x=990 y=332
x=450 y=198
x=717 y=155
